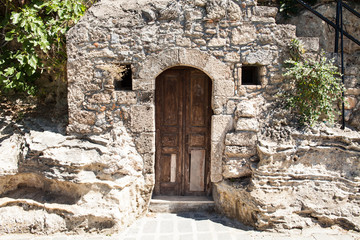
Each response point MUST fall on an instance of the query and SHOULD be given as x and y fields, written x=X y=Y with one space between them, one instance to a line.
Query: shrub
x=314 y=87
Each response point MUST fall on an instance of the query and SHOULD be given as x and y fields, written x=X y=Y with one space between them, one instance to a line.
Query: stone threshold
x=174 y=204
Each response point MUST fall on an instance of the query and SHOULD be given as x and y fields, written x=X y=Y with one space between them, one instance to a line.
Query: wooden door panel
x=197 y=132
x=169 y=140
x=182 y=132
x=170 y=101
x=197 y=140
x=165 y=167
x=168 y=134
x=198 y=101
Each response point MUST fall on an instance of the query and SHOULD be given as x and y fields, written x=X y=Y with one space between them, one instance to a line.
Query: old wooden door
x=183 y=113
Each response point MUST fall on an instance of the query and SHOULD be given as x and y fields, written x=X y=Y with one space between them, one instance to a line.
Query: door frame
x=183 y=146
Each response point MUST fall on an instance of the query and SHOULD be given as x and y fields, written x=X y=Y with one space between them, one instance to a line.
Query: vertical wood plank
x=173 y=168
x=165 y=167
x=197 y=170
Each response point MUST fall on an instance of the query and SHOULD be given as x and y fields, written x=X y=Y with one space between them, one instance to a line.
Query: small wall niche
x=125 y=83
x=250 y=75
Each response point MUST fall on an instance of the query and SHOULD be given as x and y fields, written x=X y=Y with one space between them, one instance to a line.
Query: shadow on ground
x=216 y=218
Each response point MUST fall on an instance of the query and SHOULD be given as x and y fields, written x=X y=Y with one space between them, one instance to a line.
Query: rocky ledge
x=50 y=182
x=312 y=178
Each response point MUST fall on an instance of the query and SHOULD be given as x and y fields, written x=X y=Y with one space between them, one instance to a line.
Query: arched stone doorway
x=183 y=128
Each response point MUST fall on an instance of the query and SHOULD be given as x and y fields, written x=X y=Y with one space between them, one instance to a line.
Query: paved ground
x=197 y=226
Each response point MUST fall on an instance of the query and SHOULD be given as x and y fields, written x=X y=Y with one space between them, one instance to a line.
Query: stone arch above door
x=222 y=88
x=154 y=65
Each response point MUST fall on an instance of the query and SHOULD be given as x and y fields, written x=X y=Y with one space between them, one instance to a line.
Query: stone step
x=174 y=204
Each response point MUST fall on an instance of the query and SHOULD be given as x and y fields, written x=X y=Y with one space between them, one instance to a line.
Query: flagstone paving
x=197 y=226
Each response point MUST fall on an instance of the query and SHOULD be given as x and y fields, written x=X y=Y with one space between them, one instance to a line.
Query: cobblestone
x=196 y=226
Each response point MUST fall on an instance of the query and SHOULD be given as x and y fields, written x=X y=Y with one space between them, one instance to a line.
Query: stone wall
x=210 y=36
x=308 y=26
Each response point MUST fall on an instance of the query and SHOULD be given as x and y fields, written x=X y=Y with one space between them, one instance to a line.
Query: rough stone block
x=232 y=57
x=264 y=11
x=191 y=15
x=310 y=43
x=218 y=104
x=78 y=128
x=100 y=98
x=262 y=57
x=79 y=70
x=246 y=109
x=183 y=42
x=146 y=97
x=200 y=3
x=171 y=12
x=217 y=42
x=75 y=96
x=220 y=125
x=237 y=168
x=155 y=64
x=285 y=31
x=142 y=118
x=125 y=97
x=241 y=139
x=77 y=35
x=230 y=107
x=217 y=149
x=168 y=58
x=145 y=142
x=149 y=163
x=200 y=42
x=102 y=53
x=211 y=31
x=10 y=149
x=97 y=34
x=144 y=84
x=217 y=70
x=84 y=117
x=243 y=35
x=237 y=151
x=233 y=11
x=224 y=88
x=215 y=10
x=100 y=119
x=194 y=58
x=350 y=103
x=247 y=124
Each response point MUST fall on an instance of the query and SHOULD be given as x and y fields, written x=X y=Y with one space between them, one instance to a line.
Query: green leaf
x=9 y=71
x=9 y=36
x=32 y=61
x=15 y=17
x=18 y=75
x=20 y=58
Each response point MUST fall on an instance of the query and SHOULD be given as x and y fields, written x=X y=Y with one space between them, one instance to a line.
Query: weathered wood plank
x=197 y=170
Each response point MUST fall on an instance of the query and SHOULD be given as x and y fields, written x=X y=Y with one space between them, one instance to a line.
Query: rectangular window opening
x=250 y=75
x=125 y=81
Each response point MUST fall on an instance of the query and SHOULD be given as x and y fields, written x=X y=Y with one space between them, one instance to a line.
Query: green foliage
x=32 y=40
x=314 y=87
